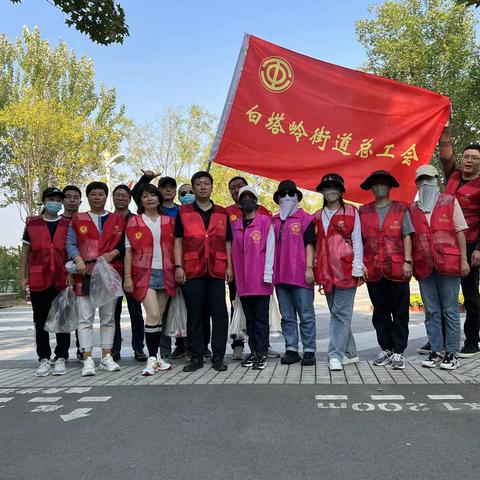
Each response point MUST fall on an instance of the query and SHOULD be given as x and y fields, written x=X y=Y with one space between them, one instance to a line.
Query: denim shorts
x=156 y=279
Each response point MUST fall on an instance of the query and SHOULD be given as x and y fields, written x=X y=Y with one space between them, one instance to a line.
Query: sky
x=184 y=52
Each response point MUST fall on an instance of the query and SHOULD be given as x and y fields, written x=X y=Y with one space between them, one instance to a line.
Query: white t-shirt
x=156 y=229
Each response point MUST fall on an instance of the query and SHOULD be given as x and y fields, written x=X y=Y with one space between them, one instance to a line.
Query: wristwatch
x=408 y=261
x=178 y=266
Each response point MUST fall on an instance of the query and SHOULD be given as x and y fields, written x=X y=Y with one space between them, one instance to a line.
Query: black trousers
x=182 y=342
x=232 y=293
x=200 y=294
x=136 y=322
x=390 y=313
x=471 y=297
x=41 y=303
x=256 y=310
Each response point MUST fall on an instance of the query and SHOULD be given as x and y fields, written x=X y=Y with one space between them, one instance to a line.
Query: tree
x=431 y=44
x=103 y=21
x=53 y=125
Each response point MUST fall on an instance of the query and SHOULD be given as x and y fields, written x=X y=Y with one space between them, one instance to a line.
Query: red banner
x=289 y=116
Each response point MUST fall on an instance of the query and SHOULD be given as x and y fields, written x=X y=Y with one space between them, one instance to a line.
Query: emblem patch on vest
x=296 y=228
x=233 y=217
x=443 y=218
x=116 y=230
x=395 y=225
x=83 y=229
x=256 y=236
x=138 y=235
x=340 y=226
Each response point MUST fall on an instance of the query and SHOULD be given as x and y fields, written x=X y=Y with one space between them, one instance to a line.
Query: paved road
x=242 y=432
x=282 y=423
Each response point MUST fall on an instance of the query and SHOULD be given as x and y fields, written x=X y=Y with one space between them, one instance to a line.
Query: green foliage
x=416 y=300
x=54 y=125
x=431 y=44
x=103 y=21
x=472 y=3
x=9 y=277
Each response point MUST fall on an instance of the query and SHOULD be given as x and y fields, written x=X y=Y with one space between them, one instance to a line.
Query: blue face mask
x=187 y=198
x=53 y=207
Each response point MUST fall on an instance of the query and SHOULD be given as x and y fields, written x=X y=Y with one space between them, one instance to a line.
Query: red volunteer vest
x=383 y=253
x=46 y=263
x=435 y=246
x=141 y=241
x=334 y=250
x=204 y=251
x=234 y=212
x=468 y=196
x=91 y=246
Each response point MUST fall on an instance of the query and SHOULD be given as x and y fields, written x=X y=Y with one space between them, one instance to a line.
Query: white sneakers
x=108 y=365
x=44 y=369
x=334 y=364
x=59 y=367
x=151 y=367
x=350 y=360
x=162 y=364
x=88 y=369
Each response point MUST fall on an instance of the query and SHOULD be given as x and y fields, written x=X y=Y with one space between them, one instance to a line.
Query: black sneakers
x=308 y=359
x=260 y=362
x=178 y=353
x=218 y=364
x=140 y=356
x=290 y=358
x=469 y=351
x=450 y=362
x=249 y=360
x=193 y=365
x=425 y=350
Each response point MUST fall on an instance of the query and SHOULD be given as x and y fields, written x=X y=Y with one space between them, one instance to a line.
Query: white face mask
x=288 y=205
x=380 y=190
x=331 y=194
x=427 y=193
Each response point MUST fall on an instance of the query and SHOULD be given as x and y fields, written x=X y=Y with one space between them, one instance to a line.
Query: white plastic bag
x=105 y=284
x=63 y=314
x=275 y=319
x=238 y=326
x=176 y=323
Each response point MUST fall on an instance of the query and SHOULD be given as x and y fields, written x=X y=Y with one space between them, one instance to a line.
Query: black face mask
x=248 y=205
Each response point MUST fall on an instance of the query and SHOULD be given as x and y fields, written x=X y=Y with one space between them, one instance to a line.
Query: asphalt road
x=242 y=432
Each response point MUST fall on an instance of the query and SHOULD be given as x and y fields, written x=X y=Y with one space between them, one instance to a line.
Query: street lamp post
x=110 y=162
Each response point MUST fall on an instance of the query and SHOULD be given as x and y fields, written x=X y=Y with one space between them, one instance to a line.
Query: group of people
x=199 y=246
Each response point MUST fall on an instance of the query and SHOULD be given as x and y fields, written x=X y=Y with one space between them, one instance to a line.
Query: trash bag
x=176 y=323
x=238 y=326
x=63 y=314
x=275 y=318
x=105 y=284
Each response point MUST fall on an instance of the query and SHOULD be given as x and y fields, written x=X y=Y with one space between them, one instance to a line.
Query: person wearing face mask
x=185 y=194
x=464 y=184
x=439 y=261
x=293 y=273
x=387 y=256
x=42 y=268
x=339 y=266
x=235 y=213
x=253 y=251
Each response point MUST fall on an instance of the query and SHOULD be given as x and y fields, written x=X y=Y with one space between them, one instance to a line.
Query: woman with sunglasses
x=185 y=194
x=150 y=268
x=339 y=266
x=293 y=273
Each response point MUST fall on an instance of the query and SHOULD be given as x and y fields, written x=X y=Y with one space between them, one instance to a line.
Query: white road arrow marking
x=78 y=390
x=77 y=413
x=445 y=397
x=45 y=399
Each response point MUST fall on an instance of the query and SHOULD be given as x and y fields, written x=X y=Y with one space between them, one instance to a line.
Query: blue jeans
x=293 y=300
x=440 y=297
x=340 y=304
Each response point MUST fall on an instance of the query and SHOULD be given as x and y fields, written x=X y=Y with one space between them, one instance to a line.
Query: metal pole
x=109 y=185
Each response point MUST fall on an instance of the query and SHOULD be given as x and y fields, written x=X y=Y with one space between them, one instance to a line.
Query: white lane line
x=445 y=397
x=77 y=413
x=50 y=391
x=78 y=390
x=387 y=397
x=45 y=399
x=5 y=399
x=331 y=397
x=46 y=408
x=94 y=399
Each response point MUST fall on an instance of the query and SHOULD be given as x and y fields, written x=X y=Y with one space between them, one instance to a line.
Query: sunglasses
x=182 y=194
x=284 y=193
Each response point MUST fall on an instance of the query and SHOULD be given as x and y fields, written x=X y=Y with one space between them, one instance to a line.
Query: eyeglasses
x=473 y=157
x=284 y=193
x=182 y=194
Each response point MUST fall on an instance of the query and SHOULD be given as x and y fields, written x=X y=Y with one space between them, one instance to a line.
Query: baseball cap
x=164 y=181
x=51 y=191
x=428 y=170
x=247 y=188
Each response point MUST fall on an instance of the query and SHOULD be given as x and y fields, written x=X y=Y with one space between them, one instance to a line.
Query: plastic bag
x=176 y=323
x=238 y=326
x=63 y=314
x=274 y=316
x=105 y=284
